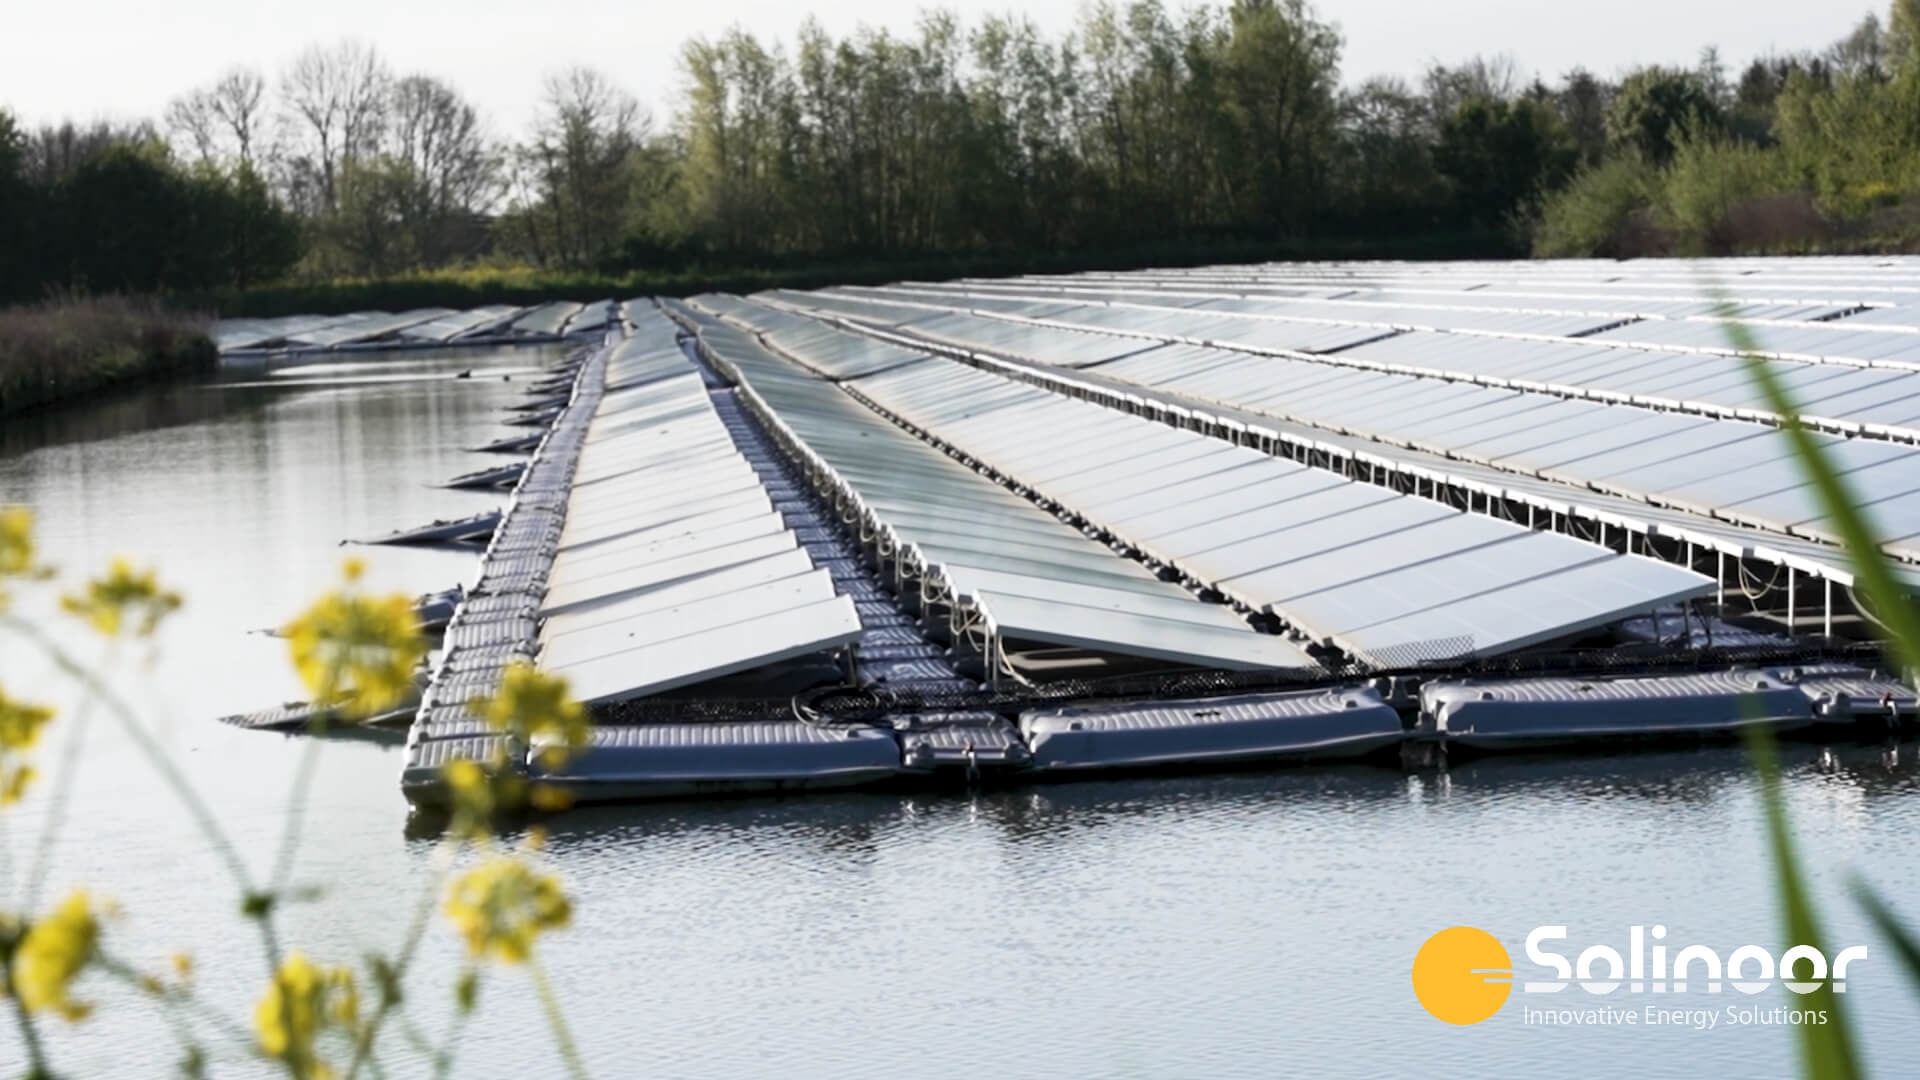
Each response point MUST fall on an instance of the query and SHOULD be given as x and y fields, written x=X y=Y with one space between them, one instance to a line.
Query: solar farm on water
x=1043 y=527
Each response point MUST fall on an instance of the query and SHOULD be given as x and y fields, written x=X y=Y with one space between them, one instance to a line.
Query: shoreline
x=66 y=351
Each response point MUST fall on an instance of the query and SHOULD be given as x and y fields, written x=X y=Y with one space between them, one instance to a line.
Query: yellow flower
x=549 y=798
x=473 y=797
x=20 y=725
x=355 y=652
x=534 y=707
x=52 y=955
x=501 y=905
x=16 y=548
x=301 y=1002
x=16 y=540
x=123 y=593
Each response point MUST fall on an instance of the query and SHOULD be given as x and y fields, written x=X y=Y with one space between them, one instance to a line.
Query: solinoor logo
x=1463 y=975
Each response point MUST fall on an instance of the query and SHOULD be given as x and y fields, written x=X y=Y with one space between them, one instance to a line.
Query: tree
x=443 y=169
x=1387 y=169
x=1481 y=78
x=255 y=238
x=1583 y=100
x=334 y=102
x=1654 y=105
x=1281 y=67
x=190 y=116
x=225 y=121
x=576 y=168
x=741 y=126
x=1862 y=53
x=18 y=210
x=1902 y=41
x=1500 y=154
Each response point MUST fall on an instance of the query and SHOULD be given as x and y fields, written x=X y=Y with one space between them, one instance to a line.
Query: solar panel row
x=1620 y=421
x=673 y=566
x=1385 y=576
x=1038 y=578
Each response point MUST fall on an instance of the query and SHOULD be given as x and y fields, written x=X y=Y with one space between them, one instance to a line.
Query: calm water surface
x=1252 y=925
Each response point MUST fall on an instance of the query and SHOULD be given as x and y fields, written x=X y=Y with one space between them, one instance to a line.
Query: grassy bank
x=65 y=348
x=480 y=286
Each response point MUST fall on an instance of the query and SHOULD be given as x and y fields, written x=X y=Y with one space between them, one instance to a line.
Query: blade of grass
x=1872 y=576
x=1826 y=1050
x=1904 y=944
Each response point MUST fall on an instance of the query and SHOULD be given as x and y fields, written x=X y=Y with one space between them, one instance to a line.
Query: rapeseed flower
x=302 y=1001
x=473 y=796
x=52 y=954
x=533 y=707
x=16 y=548
x=124 y=595
x=502 y=905
x=355 y=652
x=20 y=725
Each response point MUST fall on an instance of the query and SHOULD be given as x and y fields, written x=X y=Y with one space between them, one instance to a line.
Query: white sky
x=88 y=59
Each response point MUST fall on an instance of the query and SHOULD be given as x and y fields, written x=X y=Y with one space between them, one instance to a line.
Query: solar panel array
x=422 y=326
x=1645 y=402
x=673 y=566
x=1381 y=575
x=928 y=515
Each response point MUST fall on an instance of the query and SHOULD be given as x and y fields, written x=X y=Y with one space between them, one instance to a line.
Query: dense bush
x=522 y=284
x=60 y=349
x=1820 y=154
x=1594 y=214
x=1713 y=180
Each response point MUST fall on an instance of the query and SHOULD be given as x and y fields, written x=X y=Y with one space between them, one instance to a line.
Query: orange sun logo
x=1462 y=975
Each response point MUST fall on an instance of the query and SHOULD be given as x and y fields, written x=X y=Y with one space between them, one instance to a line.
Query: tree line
x=108 y=209
x=1139 y=128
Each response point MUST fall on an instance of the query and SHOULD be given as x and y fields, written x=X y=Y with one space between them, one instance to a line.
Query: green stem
x=409 y=946
x=142 y=739
x=443 y=1061
x=551 y=1006
x=6 y=855
x=1826 y=1048
x=1897 y=614
x=58 y=800
x=182 y=1034
x=297 y=800
x=30 y=1035
x=296 y=817
x=179 y=1001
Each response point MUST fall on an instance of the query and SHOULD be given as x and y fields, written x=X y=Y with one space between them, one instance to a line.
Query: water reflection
x=120 y=412
x=1664 y=779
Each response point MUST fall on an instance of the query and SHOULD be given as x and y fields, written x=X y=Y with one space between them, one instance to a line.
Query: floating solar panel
x=1039 y=578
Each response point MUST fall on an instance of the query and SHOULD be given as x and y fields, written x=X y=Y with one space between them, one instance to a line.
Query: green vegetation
x=524 y=284
x=1143 y=135
x=90 y=220
x=1804 y=154
x=1827 y=1050
x=107 y=210
x=64 y=348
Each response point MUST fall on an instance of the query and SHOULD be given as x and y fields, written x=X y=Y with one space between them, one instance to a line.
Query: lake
x=1245 y=925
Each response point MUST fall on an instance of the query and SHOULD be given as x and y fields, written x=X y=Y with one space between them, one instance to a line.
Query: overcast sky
x=122 y=59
